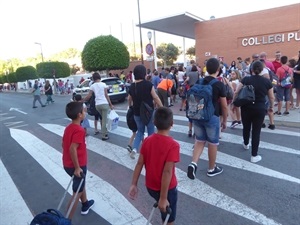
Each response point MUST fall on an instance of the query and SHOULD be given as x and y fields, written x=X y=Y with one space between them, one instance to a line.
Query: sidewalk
x=292 y=120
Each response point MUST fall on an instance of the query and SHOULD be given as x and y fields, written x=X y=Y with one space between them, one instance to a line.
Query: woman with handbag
x=141 y=92
x=253 y=114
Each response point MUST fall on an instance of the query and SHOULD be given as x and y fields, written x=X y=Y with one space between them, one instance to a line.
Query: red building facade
x=271 y=30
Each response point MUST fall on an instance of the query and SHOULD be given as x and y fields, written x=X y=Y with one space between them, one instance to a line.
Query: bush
x=12 y=78
x=48 y=69
x=104 y=53
x=26 y=73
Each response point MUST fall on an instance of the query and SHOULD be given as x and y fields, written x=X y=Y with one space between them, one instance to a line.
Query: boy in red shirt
x=158 y=154
x=75 y=155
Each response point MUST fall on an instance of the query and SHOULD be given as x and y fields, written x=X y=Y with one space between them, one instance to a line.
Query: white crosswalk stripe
x=117 y=209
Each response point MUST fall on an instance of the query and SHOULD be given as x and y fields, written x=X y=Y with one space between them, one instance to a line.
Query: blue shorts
x=208 y=131
x=76 y=180
x=283 y=92
x=172 y=198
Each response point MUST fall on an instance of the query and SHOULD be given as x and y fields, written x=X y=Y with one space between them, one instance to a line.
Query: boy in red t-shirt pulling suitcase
x=158 y=154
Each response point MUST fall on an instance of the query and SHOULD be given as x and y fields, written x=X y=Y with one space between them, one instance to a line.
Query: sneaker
x=234 y=124
x=255 y=159
x=34 y=107
x=263 y=125
x=133 y=153
x=190 y=133
x=286 y=113
x=129 y=148
x=105 y=138
x=217 y=170
x=43 y=105
x=192 y=169
x=271 y=126
x=246 y=147
x=87 y=206
x=239 y=122
x=96 y=132
x=278 y=113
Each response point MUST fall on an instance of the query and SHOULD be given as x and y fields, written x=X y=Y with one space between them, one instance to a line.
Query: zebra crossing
x=112 y=203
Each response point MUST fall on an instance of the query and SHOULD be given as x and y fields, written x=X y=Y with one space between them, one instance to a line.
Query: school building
x=271 y=30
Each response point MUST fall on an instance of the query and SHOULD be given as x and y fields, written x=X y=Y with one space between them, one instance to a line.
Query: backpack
x=130 y=119
x=200 y=101
x=286 y=82
x=91 y=106
x=274 y=79
x=50 y=217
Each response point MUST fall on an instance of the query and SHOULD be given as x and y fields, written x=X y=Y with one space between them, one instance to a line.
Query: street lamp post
x=149 y=34
x=141 y=42
x=40 y=44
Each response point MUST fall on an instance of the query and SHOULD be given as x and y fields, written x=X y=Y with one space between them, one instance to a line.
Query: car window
x=85 y=83
x=112 y=81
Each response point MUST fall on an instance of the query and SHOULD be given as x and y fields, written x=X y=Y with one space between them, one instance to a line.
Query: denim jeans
x=141 y=130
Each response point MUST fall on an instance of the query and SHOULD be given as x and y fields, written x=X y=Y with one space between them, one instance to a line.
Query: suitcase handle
x=66 y=191
x=168 y=209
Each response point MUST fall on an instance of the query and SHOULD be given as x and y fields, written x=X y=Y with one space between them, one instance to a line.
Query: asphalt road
x=245 y=194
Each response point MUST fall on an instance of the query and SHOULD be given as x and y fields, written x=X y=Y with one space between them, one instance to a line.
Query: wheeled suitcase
x=169 y=211
x=55 y=217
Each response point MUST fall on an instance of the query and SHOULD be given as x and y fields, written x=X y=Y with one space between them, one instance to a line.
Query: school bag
x=91 y=106
x=286 y=82
x=200 y=101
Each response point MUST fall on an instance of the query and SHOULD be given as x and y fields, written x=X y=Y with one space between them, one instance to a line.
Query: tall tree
x=168 y=53
x=104 y=53
x=191 y=51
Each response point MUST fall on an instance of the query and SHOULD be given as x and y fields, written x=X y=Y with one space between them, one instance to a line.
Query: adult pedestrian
x=253 y=114
x=36 y=94
x=283 y=93
x=102 y=101
x=48 y=92
x=141 y=91
x=296 y=84
x=164 y=88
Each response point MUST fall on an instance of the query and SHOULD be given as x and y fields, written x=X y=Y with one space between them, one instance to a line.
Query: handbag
x=245 y=96
x=228 y=90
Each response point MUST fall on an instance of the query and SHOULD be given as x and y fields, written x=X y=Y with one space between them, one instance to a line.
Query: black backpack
x=130 y=119
x=91 y=106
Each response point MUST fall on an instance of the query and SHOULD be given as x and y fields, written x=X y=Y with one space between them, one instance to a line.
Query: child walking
x=85 y=122
x=75 y=155
x=159 y=153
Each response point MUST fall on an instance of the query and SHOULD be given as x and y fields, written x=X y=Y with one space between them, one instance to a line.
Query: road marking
x=110 y=204
x=8 y=124
x=276 y=131
x=17 y=110
x=12 y=201
x=6 y=118
x=196 y=188
x=232 y=138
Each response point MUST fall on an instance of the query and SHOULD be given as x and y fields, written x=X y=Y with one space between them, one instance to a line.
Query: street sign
x=149 y=49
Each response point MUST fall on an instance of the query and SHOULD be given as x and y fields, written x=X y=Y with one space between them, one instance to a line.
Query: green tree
x=104 y=53
x=168 y=53
x=48 y=69
x=26 y=73
x=12 y=78
x=3 y=79
x=191 y=51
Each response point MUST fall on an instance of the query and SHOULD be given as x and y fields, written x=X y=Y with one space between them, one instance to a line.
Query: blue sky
x=62 y=24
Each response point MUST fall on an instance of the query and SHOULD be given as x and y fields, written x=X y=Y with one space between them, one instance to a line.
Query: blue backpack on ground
x=50 y=217
x=200 y=101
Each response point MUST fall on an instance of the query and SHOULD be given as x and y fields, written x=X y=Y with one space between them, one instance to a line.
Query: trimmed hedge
x=48 y=69
x=26 y=73
x=104 y=52
x=12 y=78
